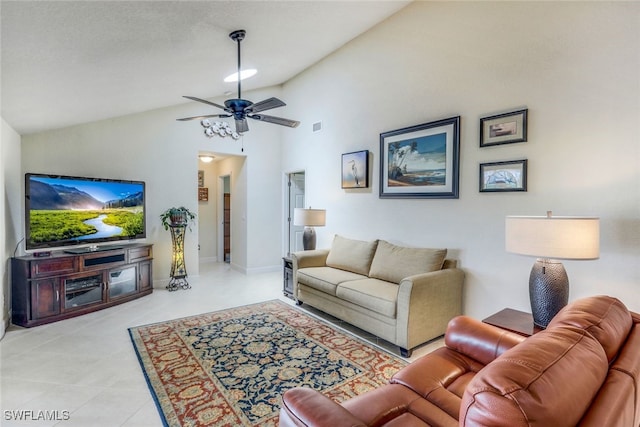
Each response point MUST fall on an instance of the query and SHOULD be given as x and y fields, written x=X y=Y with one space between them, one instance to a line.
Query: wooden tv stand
x=64 y=284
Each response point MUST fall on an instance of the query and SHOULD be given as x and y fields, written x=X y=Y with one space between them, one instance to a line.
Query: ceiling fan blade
x=242 y=126
x=276 y=120
x=204 y=101
x=267 y=104
x=222 y=116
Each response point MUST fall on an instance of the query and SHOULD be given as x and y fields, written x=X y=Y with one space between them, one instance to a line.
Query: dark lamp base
x=548 y=290
x=309 y=239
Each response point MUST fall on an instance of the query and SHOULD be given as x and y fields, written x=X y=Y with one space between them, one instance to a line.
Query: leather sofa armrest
x=307 y=407
x=480 y=341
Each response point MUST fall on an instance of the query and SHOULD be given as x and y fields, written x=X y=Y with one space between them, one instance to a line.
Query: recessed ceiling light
x=244 y=74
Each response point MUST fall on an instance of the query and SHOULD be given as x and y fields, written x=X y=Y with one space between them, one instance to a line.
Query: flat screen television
x=67 y=210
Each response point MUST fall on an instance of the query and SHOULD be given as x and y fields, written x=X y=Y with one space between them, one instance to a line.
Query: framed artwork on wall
x=503 y=176
x=421 y=161
x=355 y=169
x=503 y=128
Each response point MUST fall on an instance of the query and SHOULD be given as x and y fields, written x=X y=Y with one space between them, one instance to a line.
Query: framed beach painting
x=503 y=128
x=355 y=169
x=503 y=176
x=421 y=161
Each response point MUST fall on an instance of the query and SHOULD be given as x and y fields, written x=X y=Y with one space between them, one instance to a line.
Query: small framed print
x=203 y=194
x=355 y=169
x=503 y=128
x=503 y=176
x=200 y=178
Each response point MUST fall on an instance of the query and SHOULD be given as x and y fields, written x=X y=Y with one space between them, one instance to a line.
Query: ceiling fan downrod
x=238 y=36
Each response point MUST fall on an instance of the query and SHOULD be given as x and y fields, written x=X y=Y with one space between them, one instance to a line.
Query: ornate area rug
x=231 y=367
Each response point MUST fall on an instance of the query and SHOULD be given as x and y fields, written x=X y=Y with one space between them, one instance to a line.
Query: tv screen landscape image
x=65 y=210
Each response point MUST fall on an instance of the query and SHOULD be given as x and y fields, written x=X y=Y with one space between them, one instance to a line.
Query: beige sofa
x=403 y=295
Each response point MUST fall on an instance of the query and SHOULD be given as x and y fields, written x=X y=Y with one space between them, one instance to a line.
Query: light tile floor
x=84 y=371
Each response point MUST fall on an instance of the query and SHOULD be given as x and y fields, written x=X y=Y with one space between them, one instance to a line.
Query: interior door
x=296 y=200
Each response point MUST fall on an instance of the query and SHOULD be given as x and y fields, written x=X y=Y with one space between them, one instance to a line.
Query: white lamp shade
x=553 y=237
x=309 y=217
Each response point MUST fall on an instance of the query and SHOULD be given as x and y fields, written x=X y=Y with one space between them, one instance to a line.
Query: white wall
x=155 y=148
x=574 y=65
x=12 y=213
x=208 y=215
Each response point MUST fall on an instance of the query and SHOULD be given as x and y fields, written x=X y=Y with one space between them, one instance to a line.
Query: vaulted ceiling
x=71 y=62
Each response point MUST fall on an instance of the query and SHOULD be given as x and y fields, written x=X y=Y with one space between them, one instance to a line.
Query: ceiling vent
x=317 y=126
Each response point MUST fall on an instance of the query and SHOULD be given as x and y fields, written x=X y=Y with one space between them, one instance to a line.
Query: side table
x=515 y=321
x=287 y=276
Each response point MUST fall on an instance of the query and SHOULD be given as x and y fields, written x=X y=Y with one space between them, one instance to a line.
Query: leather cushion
x=549 y=379
x=604 y=317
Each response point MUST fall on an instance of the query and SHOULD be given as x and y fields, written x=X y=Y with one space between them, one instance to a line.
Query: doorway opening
x=295 y=192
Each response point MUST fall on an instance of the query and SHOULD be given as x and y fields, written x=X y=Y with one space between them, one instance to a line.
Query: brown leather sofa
x=583 y=370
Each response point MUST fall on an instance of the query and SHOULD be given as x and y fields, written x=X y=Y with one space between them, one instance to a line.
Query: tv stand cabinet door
x=145 y=280
x=45 y=298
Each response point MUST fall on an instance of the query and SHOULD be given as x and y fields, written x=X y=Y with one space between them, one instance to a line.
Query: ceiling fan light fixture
x=238 y=108
x=244 y=74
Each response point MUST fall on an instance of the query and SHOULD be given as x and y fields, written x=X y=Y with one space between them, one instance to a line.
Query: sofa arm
x=304 y=259
x=307 y=407
x=426 y=303
x=314 y=258
x=480 y=341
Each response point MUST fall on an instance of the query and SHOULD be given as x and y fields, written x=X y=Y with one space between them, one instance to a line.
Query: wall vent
x=317 y=126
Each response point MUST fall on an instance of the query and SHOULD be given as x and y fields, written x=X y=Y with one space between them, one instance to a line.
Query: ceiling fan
x=241 y=109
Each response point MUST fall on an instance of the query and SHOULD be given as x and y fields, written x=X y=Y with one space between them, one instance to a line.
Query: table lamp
x=551 y=239
x=309 y=218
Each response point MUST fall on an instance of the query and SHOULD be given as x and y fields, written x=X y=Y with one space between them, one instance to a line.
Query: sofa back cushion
x=393 y=263
x=604 y=317
x=351 y=255
x=550 y=379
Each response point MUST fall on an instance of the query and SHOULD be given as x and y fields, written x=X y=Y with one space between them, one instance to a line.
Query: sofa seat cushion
x=351 y=255
x=325 y=279
x=393 y=263
x=373 y=294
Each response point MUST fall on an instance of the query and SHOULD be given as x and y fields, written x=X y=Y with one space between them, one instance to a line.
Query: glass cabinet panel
x=82 y=291
x=122 y=282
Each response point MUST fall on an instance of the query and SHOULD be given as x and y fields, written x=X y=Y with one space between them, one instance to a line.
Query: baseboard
x=267 y=269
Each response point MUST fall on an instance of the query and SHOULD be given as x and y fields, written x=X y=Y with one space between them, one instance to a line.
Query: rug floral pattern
x=230 y=368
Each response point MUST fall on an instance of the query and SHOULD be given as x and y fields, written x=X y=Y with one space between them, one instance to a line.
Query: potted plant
x=177 y=216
